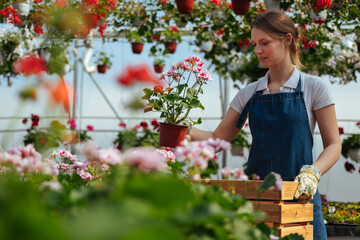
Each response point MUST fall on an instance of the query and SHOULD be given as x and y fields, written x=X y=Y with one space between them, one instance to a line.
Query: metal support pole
x=224 y=107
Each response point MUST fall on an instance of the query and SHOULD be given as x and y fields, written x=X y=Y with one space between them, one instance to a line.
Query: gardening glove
x=308 y=179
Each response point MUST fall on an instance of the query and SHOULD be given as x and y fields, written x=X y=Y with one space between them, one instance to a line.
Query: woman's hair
x=278 y=24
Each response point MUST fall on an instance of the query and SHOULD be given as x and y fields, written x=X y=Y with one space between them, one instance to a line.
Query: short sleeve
x=322 y=96
x=242 y=97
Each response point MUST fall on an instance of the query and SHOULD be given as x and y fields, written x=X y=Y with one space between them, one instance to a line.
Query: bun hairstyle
x=279 y=25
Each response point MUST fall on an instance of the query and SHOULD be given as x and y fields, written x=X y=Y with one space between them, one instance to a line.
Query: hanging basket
x=137 y=47
x=185 y=6
x=158 y=68
x=171 y=46
x=272 y=5
x=206 y=46
x=102 y=68
x=318 y=17
x=354 y=154
x=241 y=7
x=22 y=8
x=91 y=20
x=171 y=135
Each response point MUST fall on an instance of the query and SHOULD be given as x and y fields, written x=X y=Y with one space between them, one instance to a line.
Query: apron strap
x=298 y=87
x=245 y=112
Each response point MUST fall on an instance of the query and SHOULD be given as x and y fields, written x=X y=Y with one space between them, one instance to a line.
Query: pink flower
x=136 y=127
x=278 y=182
x=90 y=128
x=85 y=175
x=146 y=159
x=122 y=124
x=71 y=121
x=110 y=156
x=239 y=173
x=226 y=172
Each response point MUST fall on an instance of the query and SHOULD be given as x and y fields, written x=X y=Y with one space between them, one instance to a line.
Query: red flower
x=90 y=128
x=220 y=32
x=35 y=120
x=38 y=30
x=358 y=124
x=24 y=121
x=60 y=3
x=230 y=5
x=163 y=2
x=102 y=29
x=216 y=2
x=156 y=38
x=11 y=14
x=155 y=124
x=320 y=4
x=30 y=64
x=312 y=43
x=144 y=125
x=173 y=29
x=159 y=89
x=139 y=73
x=37 y=1
x=42 y=141
x=91 y=2
x=341 y=130
x=122 y=124
x=349 y=167
x=136 y=127
x=243 y=43
x=71 y=121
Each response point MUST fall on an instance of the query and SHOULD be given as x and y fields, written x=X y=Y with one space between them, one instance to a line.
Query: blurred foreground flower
x=59 y=93
x=139 y=73
x=29 y=65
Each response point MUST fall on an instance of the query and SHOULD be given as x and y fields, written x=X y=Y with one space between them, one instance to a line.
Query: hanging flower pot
x=158 y=68
x=91 y=20
x=101 y=68
x=272 y=5
x=318 y=17
x=207 y=46
x=241 y=7
x=137 y=47
x=185 y=6
x=237 y=150
x=22 y=8
x=171 y=135
x=171 y=46
x=354 y=154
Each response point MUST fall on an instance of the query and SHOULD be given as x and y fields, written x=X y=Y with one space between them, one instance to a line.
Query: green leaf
x=191 y=93
x=267 y=183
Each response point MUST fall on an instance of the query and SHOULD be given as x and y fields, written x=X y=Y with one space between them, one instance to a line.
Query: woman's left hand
x=308 y=179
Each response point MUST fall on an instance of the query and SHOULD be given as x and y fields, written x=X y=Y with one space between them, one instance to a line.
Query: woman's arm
x=226 y=129
x=329 y=131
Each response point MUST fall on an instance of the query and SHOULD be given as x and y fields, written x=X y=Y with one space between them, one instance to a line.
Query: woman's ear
x=288 y=39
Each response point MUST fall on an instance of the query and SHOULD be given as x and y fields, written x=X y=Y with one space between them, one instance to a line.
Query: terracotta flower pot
x=91 y=20
x=171 y=46
x=158 y=68
x=137 y=47
x=102 y=68
x=171 y=135
x=22 y=8
x=185 y=6
x=240 y=7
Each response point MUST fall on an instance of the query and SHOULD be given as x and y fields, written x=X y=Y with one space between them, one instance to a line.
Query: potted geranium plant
x=351 y=146
x=136 y=40
x=176 y=97
x=172 y=36
x=103 y=62
x=239 y=143
x=159 y=65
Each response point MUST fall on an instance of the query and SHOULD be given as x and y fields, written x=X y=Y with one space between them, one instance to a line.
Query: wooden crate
x=286 y=216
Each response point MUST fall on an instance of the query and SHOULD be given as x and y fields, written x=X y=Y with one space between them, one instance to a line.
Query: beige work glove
x=308 y=179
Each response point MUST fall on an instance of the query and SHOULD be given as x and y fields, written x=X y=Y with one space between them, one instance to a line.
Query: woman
x=283 y=108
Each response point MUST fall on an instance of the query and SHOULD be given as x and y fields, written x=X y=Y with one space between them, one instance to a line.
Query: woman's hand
x=308 y=179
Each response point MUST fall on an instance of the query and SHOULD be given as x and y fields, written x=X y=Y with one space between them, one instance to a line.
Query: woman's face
x=271 y=51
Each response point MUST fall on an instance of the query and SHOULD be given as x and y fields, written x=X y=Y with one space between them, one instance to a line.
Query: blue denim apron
x=282 y=140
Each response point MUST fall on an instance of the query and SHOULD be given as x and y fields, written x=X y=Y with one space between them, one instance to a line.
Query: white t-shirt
x=316 y=93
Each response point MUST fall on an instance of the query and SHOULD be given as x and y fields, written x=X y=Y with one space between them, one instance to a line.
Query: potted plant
x=351 y=146
x=22 y=7
x=103 y=62
x=239 y=143
x=240 y=7
x=318 y=12
x=136 y=40
x=176 y=95
x=172 y=37
x=159 y=65
x=185 y=6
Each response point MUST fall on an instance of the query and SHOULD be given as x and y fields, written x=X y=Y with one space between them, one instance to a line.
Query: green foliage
x=241 y=139
x=128 y=138
x=103 y=59
x=352 y=142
